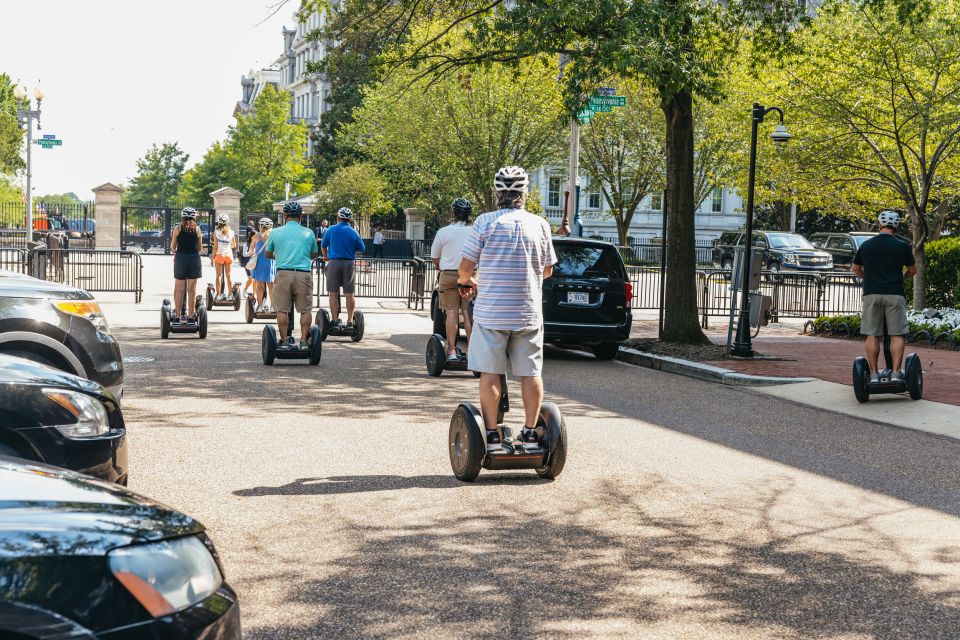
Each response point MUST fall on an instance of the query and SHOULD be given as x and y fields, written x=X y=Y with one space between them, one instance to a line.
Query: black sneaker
x=529 y=436
x=493 y=437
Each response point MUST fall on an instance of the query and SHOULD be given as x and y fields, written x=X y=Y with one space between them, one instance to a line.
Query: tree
x=159 y=174
x=877 y=109
x=9 y=190
x=217 y=169
x=268 y=152
x=359 y=187
x=622 y=151
x=11 y=135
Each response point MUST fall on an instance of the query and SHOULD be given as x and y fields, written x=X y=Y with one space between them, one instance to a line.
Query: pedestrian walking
x=883 y=262
x=340 y=246
x=446 y=251
x=265 y=269
x=378 y=241
x=514 y=252
x=293 y=247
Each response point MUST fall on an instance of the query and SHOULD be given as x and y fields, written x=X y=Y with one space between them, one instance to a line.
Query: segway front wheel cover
x=435 y=356
x=316 y=345
x=164 y=322
x=861 y=377
x=323 y=321
x=236 y=297
x=268 y=344
x=358 y=326
x=210 y=297
x=249 y=313
x=466 y=443
x=202 y=321
x=555 y=439
x=913 y=371
x=439 y=319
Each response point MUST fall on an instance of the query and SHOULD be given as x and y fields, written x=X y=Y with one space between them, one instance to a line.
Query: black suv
x=842 y=246
x=586 y=303
x=59 y=326
x=781 y=251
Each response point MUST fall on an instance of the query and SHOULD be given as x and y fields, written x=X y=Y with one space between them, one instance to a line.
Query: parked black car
x=59 y=326
x=842 y=246
x=586 y=303
x=81 y=558
x=781 y=251
x=61 y=419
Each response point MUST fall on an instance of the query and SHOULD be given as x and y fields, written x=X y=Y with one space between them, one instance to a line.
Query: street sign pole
x=573 y=181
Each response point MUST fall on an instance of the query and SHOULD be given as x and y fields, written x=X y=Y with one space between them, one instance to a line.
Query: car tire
x=606 y=350
x=773 y=267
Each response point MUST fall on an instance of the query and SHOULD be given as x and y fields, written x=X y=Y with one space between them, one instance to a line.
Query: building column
x=416 y=223
x=107 y=216
x=226 y=200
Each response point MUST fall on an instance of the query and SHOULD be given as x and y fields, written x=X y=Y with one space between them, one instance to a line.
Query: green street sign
x=610 y=101
x=583 y=120
x=46 y=143
x=601 y=108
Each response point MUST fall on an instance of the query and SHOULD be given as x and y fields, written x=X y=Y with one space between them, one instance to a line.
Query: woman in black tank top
x=186 y=244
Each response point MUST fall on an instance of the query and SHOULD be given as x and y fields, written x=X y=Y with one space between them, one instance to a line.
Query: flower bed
x=941 y=330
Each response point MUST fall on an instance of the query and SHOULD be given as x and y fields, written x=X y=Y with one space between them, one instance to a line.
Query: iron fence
x=382 y=278
x=644 y=253
x=102 y=271
x=13 y=259
x=148 y=229
x=73 y=221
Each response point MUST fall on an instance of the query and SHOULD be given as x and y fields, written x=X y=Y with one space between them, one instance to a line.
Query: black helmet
x=292 y=208
x=461 y=208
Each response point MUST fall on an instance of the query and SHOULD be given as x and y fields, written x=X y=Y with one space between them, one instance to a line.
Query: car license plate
x=576 y=297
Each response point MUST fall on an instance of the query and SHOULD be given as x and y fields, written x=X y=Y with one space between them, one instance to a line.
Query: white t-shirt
x=448 y=245
x=378 y=238
x=224 y=240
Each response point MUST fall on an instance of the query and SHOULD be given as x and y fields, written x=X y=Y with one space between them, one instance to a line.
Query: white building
x=253 y=83
x=722 y=210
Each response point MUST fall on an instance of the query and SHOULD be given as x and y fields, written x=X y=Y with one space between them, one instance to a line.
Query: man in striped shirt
x=514 y=253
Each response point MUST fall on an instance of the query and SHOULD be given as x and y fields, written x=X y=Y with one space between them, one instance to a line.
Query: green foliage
x=359 y=187
x=60 y=198
x=943 y=272
x=11 y=135
x=159 y=174
x=9 y=190
x=217 y=169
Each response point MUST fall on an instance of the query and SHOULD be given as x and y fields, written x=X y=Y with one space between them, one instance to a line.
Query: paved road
x=686 y=510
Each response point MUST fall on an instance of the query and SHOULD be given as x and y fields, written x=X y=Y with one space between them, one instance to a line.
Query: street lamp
x=743 y=347
x=26 y=116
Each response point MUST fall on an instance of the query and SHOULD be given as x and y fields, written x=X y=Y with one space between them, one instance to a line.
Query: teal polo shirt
x=292 y=245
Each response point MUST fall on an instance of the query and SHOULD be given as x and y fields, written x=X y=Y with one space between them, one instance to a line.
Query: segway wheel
x=209 y=297
x=236 y=297
x=202 y=322
x=913 y=371
x=861 y=379
x=316 y=345
x=439 y=320
x=323 y=321
x=436 y=356
x=556 y=440
x=268 y=344
x=467 y=447
x=357 y=326
x=250 y=310
x=164 y=321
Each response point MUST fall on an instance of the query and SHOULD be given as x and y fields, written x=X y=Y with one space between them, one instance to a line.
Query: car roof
x=578 y=242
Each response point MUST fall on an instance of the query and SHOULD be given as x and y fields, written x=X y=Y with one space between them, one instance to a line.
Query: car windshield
x=859 y=240
x=788 y=241
x=579 y=260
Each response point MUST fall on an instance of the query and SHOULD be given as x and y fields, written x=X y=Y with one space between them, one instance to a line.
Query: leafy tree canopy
x=159 y=174
x=11 y=135
x=359 y=187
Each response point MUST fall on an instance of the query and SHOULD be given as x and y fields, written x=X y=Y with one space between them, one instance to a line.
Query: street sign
x=606 y=91
x=49 y=136
x=612 y=101
x=601 y=108
x=584 y=115
x=46 y=143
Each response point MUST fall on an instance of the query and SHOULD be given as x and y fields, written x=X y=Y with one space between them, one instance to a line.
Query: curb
x=701 y=371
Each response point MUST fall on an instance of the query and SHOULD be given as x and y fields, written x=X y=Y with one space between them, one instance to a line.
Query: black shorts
x=187 y=267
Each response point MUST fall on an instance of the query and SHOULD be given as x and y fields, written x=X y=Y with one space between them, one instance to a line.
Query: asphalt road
x=686 y=509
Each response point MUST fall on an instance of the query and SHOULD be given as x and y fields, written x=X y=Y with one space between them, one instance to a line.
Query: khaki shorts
x=290 y=287
x=490 y=348
x=340 y=273
x=876 y=308
x=450 y=298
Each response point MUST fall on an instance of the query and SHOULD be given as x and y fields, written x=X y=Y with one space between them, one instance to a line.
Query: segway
x=232 y=300
x=912 y=374
x=251 y=313
x=473 y=448
x=353 y=330
x=170 y=321
x=271 y=349
x=436 y=357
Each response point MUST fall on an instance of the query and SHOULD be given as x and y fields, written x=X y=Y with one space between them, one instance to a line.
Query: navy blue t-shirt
x=883 y=258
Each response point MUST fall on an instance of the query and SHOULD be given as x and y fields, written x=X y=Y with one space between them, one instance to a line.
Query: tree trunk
x=919 y=254
x=622 y=230
x=680 y=316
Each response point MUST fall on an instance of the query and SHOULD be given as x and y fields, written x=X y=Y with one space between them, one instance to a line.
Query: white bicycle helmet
x=188 y=213
x=889 y=219
x=511 y=179
x=222 y=219
x=266 y=222
x=345 y=214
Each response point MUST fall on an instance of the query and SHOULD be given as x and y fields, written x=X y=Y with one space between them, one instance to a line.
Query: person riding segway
x=514 y=252
x=190 y=316
x=883 y=262
x=340 y=245
x=224 y=252
x=443 y=351
x=263 y=270
x=293 y=247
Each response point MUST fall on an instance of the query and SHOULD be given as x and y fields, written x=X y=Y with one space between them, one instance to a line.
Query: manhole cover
x=136 y=359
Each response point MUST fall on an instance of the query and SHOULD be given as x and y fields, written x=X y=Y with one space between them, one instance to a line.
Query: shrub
x=943 y=272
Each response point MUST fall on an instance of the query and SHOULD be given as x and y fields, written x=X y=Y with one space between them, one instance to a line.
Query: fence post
x=226 y=200
x=416 y=223
x=106 y=216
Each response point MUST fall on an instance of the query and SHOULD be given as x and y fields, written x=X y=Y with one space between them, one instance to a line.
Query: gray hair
x=511 y=199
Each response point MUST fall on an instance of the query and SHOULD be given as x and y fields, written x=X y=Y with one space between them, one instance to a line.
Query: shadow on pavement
x=334 y=485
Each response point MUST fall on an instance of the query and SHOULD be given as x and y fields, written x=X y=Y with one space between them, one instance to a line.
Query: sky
x=120 y=75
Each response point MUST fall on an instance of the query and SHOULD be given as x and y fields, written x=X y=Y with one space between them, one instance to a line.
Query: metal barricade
x=100 y=270
x=377 y=278
x=13 y=259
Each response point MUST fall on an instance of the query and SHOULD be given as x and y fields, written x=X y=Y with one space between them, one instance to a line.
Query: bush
x=943 y=272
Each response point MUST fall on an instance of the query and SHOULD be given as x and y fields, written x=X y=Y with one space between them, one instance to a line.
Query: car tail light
x=628 y=292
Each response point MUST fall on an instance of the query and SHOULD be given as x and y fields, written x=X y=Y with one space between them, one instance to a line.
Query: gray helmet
x=511 y=178
x=266 y=222
x=345 y=214
x=888 y=219
x=188 y=213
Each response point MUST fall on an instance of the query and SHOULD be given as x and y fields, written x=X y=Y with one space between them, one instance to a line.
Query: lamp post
x=743 y=347
x=26 y=116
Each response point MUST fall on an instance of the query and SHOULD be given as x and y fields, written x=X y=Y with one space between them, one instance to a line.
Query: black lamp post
x=742 y=346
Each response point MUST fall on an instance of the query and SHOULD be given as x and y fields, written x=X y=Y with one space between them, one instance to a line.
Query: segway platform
x=471 y=450
x=271 y=349
x=250 y=312
x=911 y=384
x=436 y=357
x=232 y=300
x=170 y=322
x=354 y=330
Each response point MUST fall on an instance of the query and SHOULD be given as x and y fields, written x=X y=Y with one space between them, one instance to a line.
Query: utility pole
x=26 y=116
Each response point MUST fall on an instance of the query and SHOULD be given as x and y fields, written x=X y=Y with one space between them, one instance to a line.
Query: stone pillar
x=107 y=216
x=416 y=223
x=226 y=200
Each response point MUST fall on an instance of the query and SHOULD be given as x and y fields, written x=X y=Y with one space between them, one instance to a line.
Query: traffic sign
x=49 y=136
x=612 y=101
x=606 y=91
x=49 y=144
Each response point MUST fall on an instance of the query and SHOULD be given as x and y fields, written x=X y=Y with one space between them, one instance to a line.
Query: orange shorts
x=223 y=259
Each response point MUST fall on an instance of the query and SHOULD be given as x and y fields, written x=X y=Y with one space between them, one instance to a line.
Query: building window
x=593 y=200
x=656 y=201
x=716 y=200
x=553 y=192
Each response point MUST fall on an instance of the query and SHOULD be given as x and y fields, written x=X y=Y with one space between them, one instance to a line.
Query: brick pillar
x=226 y=200
x=107 y=216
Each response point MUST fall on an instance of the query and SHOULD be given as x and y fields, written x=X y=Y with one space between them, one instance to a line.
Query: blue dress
x=266 y=269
